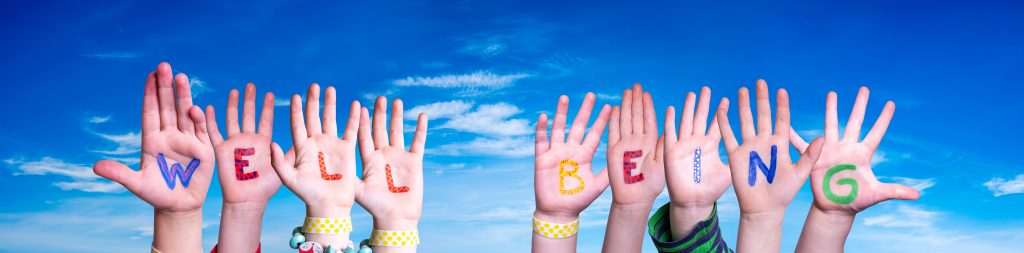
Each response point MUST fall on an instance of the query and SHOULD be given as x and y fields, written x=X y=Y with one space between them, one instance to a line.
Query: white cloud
x=283 y=101
x=197 y=86
x=1000 y=186
x=98 y=119
x=82 y=177
x=128 y=143
x=878 y=158
x=484 y=48
x=905 y=216
x=440 y=110
x=473 y=82
x=113 y=55
x=482 y=146
x=490 y=119
x=603 y=96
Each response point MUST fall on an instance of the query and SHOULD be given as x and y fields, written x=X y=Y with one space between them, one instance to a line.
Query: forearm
x=626 y=227
x=337 y=240
x=684 y=218
x=395 y=225
x=543 y=244
x=760 y=232
x=175 y=232
x=824 y=231
x=240 y=227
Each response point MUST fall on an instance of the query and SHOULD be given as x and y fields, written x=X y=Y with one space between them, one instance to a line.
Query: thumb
x=809 y=156
x=117 y=172
x=898 y=191
x=284 y=171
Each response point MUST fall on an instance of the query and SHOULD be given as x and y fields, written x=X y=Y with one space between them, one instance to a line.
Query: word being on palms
x=175 y=171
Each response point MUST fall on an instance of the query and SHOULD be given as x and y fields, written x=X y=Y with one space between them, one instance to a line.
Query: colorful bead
x=311 y=247
x=296 y=240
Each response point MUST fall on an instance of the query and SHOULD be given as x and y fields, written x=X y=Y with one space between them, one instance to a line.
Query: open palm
x=564 y=182
x=694 y=170
x=177 y=158
x=246 y=174
x=320 y=168
x=392 y=186
x=634 y=136
x=842 y=179
x=759 y=187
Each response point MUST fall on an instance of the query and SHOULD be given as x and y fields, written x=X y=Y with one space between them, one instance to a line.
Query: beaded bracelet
x=299 y=242
x=555 y=230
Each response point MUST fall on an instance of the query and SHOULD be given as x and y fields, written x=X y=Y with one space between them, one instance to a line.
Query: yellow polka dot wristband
x=555 y=230
x=394 y=238
x=327 y=225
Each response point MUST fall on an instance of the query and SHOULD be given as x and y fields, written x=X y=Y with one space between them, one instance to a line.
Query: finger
x=249 y=109
x=874 y=136
x=184 y=103
x=419 y=139
x=232 y=113
x=659 y=150
x=686 y=122
x=650 y=116
x=558 y=129
x=199 y=124
x=366 y=145
x=593 y=138
x=613 y=126
x=808 y=157
x=150 y=106
x=764 y=109
x=330 y=112
x=165 y=92
x=397 y=138
x=284 y=170
x=798 y=142
x=626 y=115
x=700 y=119
x=746 y=118
x=831 y=119
x=540 y=139
x=670 y=126
x=723 y=125
x=380 y=132
x=579 y=125
x=119 y=173
x=211 y=125
x=782 y=126
x=637 y=111
x=298 y=123
x=353 y=121
x=853 y=125
x=715 y=133
x=266 y=127
x=313 y=125
x=898 y=191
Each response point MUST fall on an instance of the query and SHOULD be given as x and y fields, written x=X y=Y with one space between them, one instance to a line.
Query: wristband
x=555 y=230
x=258 y=246
x=315 y=225
x=394 y=238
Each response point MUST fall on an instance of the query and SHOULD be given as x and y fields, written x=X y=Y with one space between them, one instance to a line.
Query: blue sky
x=74 y=73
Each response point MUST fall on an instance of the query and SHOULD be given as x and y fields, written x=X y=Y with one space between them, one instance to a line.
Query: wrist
x=178 y=231
x=633 y=208
x=240 y=227
x=556 y=217
x=339 y=239
x=328 y=211
x=684 y=219
x=825 y=220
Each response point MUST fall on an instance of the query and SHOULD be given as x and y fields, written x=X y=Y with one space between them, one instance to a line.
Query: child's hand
x=694 y=171
x=392 y=188
x=246 y=175
x=564 y=183
x=177 y=158
x=320 y=168
x=763 y=176
x=633 y=142
x=842 y=179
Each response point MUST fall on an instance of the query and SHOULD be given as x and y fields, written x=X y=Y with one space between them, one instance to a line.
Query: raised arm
x=763 y=176
x=563 y=181
x=321 y=169
x=176 y=166
x=247 y=179
x=635 y=157
x=392 y=188
x=696 y=178
x=841 y=179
